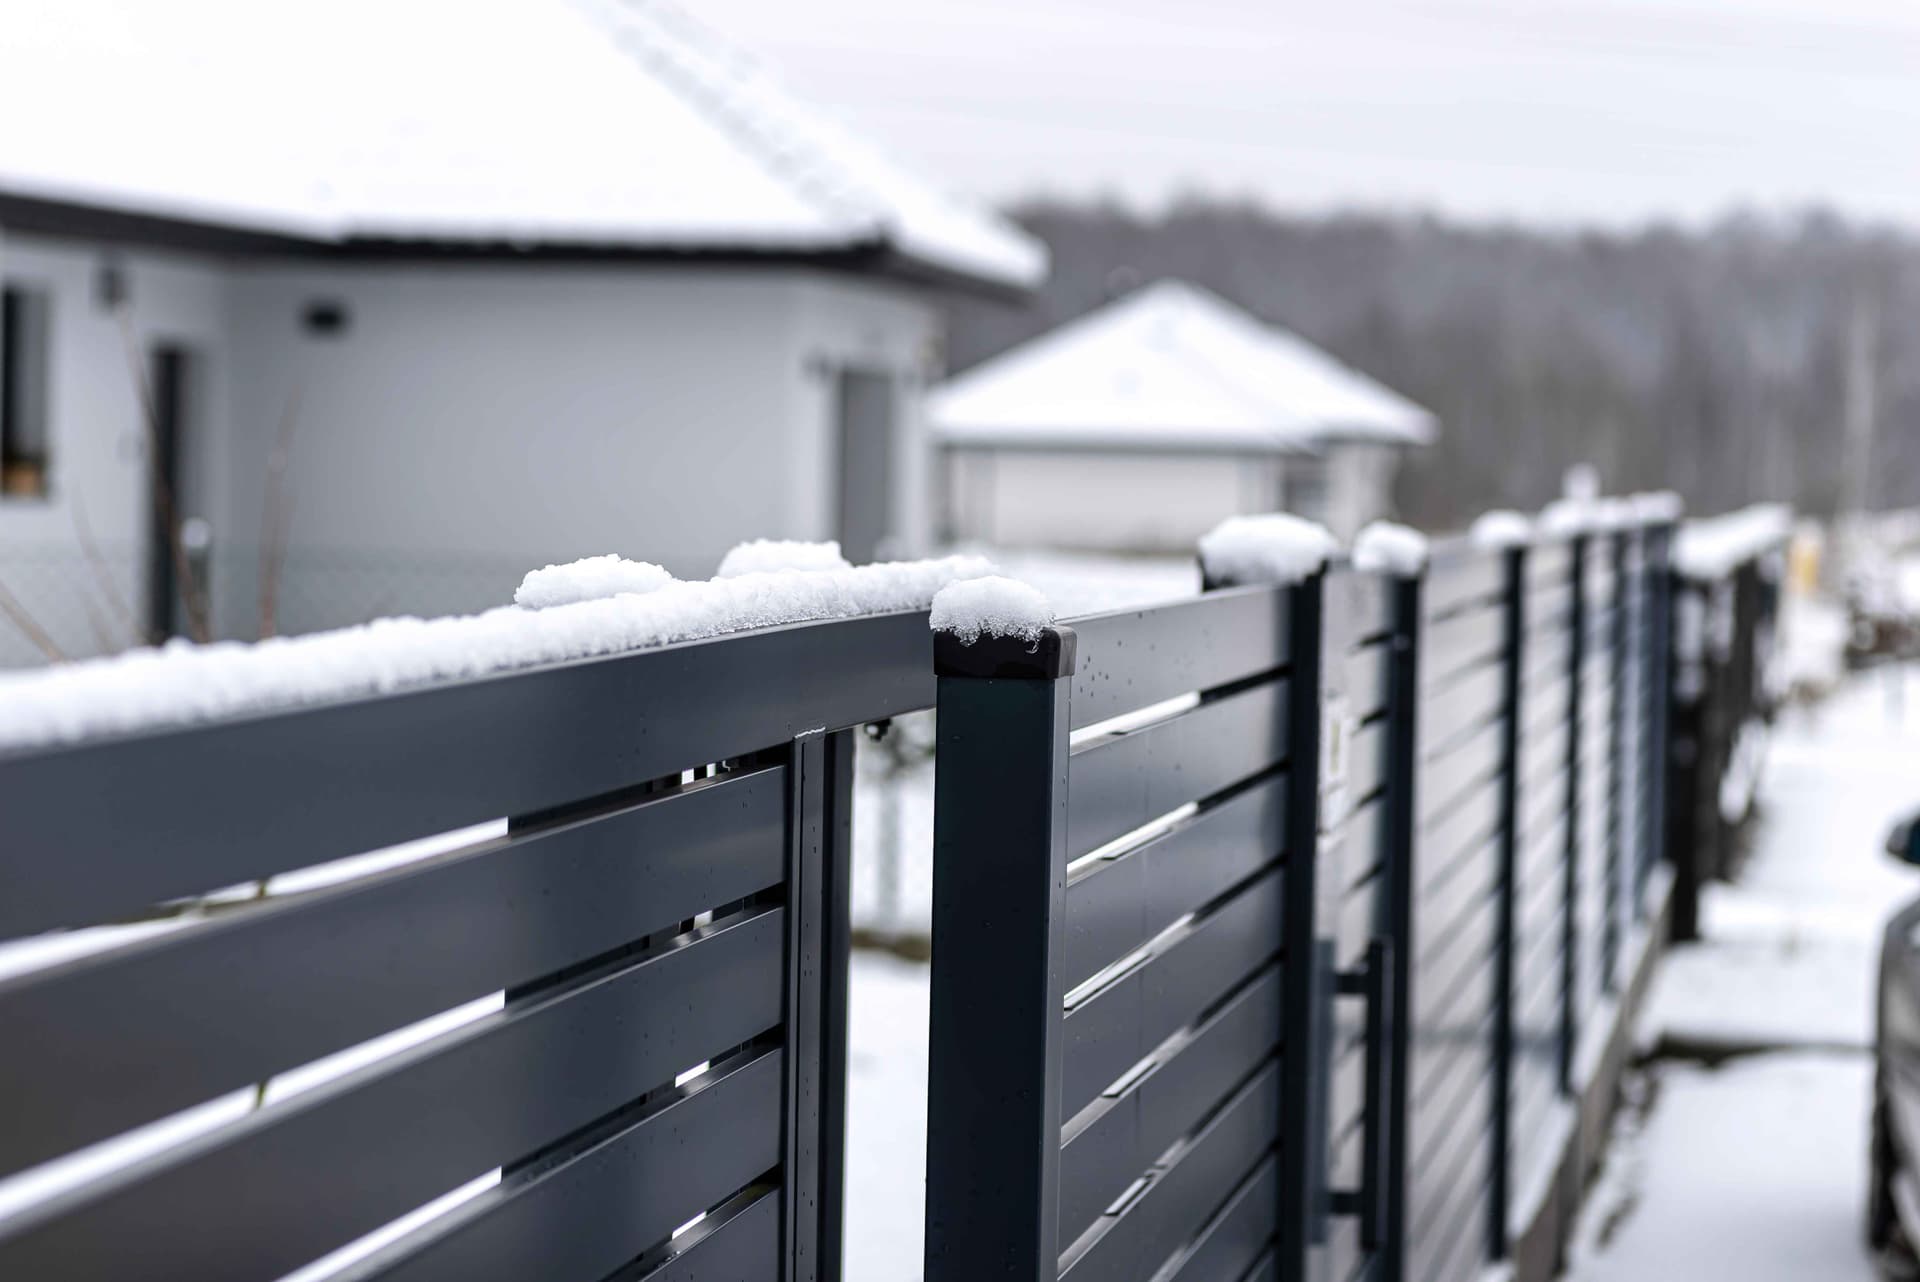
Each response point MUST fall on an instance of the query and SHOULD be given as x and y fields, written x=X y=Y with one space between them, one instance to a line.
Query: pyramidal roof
x=592 y=124
x=1171 y=366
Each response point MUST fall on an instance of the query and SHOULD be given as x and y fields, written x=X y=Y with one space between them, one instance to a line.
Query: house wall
x=1359 y=485
x=473 y=421
x=1099 y=501
x=1148 y=502
x=97 y=447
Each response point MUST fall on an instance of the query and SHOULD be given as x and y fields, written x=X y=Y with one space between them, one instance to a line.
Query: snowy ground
x=1755 y=1169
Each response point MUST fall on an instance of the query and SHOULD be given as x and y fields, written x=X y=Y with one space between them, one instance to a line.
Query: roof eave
x=84 y=221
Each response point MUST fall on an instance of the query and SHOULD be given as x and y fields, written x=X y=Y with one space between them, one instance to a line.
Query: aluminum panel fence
x=645 y=893
x=1280 y=932
x=1412 y=823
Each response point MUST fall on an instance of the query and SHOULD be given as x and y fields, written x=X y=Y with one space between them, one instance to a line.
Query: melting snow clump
x=1710 y=549
x=588 y=580
x=1272 y=548
x=991 y=607
x=1657 y=506
x=762 y=555
x=1501 y=530
x=1386 y=548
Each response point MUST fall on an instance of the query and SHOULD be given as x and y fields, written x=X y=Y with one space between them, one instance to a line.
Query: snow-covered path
x=1755 y=1168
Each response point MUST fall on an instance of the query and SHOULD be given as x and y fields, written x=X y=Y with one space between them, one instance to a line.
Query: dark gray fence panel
x=184 y=1017
x=1116 y=904
x=639 y=924
x=1110 y=1144
x=1125 y=780
x=1456 y=916
x=1540 y=870
x=1112 y=1029
x=398 y=1134
x=600 y=1207
x=1182 y=1193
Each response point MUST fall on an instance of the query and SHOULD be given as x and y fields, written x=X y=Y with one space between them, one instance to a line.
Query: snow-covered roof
x=602 y=124
x=1170 y=366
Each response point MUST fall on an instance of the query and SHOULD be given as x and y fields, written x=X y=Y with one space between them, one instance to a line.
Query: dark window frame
x=26 y=372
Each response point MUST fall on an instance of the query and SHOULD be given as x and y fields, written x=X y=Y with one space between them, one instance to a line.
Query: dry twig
x=30 y=626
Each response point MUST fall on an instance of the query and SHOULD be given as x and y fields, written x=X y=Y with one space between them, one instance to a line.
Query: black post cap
x=1048 y=658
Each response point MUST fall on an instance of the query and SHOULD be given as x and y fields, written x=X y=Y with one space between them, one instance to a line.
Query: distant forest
x=1720 y=363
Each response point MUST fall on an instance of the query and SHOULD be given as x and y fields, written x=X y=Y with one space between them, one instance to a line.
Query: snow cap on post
x=759 y=556
x=1386 y=548
x=1271 y=548
x=1657 y=507
x=1501 y=530
x=1714 y=548
x=1567 y=516
x=592 y=579
x=998 y=627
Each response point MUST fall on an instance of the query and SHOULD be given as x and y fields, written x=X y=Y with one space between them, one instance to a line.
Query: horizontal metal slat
x=1129 y=1130
x=1464 y=641
x=1237 y=1238
x=397 y=1133
x=1467 y=765
x=1118 y=904
x=1132 y=659
x=190 y=807
x=1447 y=715
x=122 y=1038
x=1357 y=922
x=1438 y=843
x=1182 y=1197
x=1119 y=782
x=1362 y=602
x=1366 y=761
x=588 y=1214
x=1549 y=560
x=1459 y=576
x=1112 y=1029
x=1364 y=680
x=740 y=1240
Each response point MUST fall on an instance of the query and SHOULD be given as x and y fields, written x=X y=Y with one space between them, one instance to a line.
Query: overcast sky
x=1566 y=110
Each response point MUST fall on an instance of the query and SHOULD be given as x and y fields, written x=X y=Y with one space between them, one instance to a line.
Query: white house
x=429 y=293
x=1140 y=425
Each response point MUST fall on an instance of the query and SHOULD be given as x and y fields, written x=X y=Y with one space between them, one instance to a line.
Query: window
x=24 y=369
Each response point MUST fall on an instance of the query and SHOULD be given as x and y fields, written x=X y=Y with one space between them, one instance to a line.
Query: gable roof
x=1171 y=366
x=583 y=124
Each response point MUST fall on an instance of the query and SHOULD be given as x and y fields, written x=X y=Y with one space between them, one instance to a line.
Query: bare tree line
x=1718 y=362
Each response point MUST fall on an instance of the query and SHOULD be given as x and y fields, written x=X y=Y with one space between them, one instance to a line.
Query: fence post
x=1686 y=639
x=1659 y=654
x=1402 y=770
x=1570 y=873
x=1307 y=990
x=837 y=866
x=1614 y=949
x=1500 y=1158
x=1000 y=813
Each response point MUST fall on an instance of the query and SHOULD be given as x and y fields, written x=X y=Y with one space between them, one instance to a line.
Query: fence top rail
x=563 y=614
x=1133 y=658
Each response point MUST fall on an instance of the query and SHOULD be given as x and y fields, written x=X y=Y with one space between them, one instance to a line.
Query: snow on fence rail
x=642 y=891
x=595 y=608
